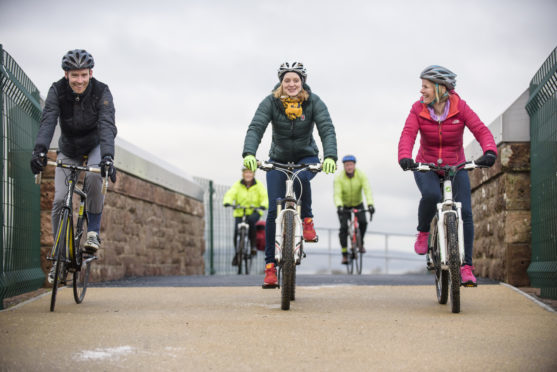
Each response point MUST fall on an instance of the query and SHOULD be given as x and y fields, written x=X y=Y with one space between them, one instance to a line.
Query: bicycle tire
x=293 y=285
x=441 y=276
x=454 y=262
x=247 y=254
x=80 y=281
x=60 y=245
x=351 y=254
x=81 y=275
x=288 y=264
x=359 y=247
x=240 y=249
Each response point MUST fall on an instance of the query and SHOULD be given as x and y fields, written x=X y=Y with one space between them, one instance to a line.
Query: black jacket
x=86 y=120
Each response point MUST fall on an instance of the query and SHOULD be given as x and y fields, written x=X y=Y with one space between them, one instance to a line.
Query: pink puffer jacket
x=442 y=140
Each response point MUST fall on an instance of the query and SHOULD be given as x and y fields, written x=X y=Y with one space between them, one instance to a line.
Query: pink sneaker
x=421 y=243
x=467 y=277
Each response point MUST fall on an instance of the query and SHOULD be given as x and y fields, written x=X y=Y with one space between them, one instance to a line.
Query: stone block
x=518 y=258
x=517 y=227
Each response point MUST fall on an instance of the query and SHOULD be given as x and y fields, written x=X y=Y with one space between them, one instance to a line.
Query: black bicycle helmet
x=440 y=75
x=77 y=59
x=297 y=67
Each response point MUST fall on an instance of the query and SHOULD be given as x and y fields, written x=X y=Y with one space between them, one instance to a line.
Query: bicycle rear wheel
x=288 y=264
x=61 y=237
x=441 y=276
x=351 y=255
x=454 y=262
x=80 y=280
x=360 y=256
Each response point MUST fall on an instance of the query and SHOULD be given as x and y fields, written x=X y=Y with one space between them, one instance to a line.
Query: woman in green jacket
x=247 y=192
x=294 y=110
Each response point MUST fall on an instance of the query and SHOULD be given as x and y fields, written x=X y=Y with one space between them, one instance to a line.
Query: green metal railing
x=20 y=110
x=542 y=108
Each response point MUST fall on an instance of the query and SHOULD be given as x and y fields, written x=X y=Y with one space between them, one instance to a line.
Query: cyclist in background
x=294 y=110
x=348 y=187
x=247 y=192
x=441 y=116
x=85 y=109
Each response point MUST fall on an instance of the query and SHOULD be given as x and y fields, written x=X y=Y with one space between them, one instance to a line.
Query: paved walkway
x=339 y=327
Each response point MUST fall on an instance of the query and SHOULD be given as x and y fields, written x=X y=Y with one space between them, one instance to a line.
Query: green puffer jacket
x=292 y=139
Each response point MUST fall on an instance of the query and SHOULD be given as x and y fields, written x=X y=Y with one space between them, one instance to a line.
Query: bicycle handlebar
x=426 y=167
x=76 y=167
x=270 y=165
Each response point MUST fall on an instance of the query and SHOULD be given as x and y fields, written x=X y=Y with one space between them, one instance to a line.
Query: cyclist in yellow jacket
x=348 y=186
x=247 y=192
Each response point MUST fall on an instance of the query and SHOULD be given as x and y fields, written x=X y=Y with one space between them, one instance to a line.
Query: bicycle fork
x=448 y=206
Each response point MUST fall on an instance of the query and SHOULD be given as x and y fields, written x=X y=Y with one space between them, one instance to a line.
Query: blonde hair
x=441 y=93
x=279 y=92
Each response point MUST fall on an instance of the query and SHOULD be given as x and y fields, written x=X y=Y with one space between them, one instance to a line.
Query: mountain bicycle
x=243 y=241
x=289 y=249
x=446 y=236
x=356 y=252
x=67 y=253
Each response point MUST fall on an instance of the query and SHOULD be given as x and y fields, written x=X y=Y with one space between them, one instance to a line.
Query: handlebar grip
x=38 y=178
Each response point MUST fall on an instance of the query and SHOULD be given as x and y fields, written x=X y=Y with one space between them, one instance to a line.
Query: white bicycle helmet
x=440 y=75
x=77 y=59
x=297 y=67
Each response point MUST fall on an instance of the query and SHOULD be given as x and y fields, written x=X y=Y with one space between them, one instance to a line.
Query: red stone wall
x=501 y=208
x=145 y=230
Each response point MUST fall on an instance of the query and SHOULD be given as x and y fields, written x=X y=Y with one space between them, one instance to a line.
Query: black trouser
x=251 y=220
x=344 y=217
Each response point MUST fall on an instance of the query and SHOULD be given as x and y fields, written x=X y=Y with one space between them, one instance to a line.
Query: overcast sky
x=187 y=76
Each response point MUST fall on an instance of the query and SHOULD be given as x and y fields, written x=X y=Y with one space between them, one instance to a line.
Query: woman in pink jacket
x=440 y=117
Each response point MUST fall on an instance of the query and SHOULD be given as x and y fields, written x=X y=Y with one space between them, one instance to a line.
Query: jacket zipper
x=440 y=141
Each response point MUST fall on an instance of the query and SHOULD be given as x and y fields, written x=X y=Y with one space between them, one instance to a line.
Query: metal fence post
x=211 y=230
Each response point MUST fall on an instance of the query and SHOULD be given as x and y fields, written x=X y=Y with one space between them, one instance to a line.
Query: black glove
x=487 y=159
x=226 y=204
x=38 y=161
x=407 y=164
x=371 y=211
x=107 y=168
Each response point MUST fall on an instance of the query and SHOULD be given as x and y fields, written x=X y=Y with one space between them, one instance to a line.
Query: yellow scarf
x=292 y=107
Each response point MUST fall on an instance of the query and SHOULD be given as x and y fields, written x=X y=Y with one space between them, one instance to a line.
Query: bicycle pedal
x=469 y=285
x=312 y=241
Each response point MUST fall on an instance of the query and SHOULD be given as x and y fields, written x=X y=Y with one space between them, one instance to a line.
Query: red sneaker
x=467 y=277
x=309 y=231
x=421 y=243
x=270 y=280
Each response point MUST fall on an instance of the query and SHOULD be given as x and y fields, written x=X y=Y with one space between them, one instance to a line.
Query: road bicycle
x=67 y=253
x=243 y=241
x=289 y=249
x=356 y=252
x=446 y=237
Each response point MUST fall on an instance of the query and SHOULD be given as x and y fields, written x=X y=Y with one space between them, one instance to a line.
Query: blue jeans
x=276 y=189
x=428 y=183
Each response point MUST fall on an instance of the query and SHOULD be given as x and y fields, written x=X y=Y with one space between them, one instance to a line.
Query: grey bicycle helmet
x=77 y=59
x=440 y=75
x=297 y=67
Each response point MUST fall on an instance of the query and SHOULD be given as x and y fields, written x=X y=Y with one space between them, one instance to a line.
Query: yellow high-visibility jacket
x=255 y=195
x=348 y=191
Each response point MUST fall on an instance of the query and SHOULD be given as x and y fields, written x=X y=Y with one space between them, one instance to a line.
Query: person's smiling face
x=291 y=84
x=79 y=79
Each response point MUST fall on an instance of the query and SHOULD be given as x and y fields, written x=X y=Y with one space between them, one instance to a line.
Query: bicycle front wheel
x=247 y=254
x=454 y=262
x=360 y=256
x=240 y=249
x=441 y=276
x=288 y=264
x=61 y=238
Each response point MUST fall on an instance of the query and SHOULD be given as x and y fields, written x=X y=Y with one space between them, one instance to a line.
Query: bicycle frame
x=448 y=206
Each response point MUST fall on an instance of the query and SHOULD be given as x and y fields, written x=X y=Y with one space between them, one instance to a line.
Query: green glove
x=329 y=166
x=250 y=162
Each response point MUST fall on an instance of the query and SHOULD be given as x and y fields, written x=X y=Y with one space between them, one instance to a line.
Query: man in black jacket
x=85 y=110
